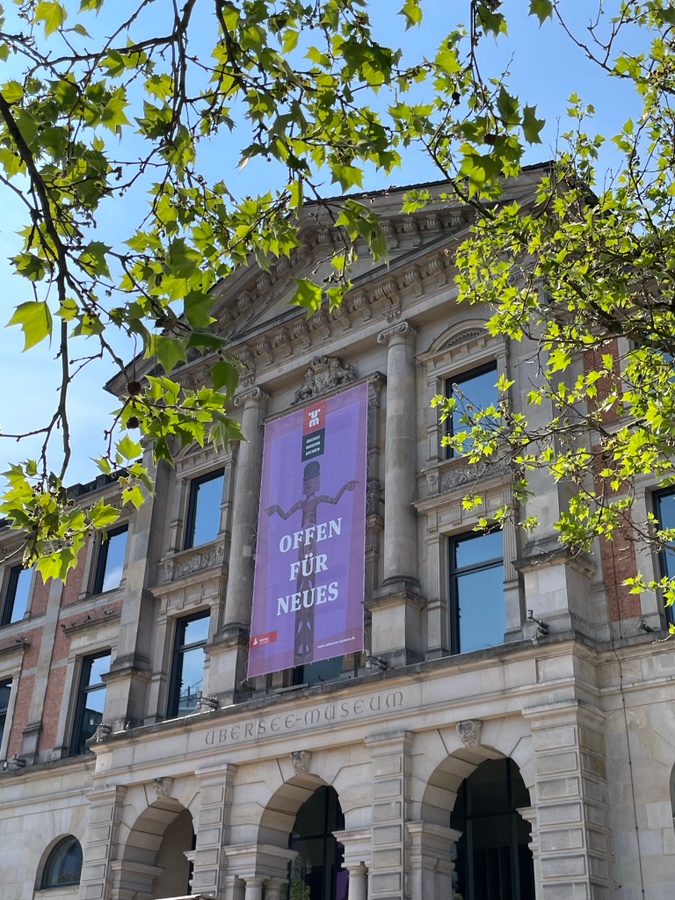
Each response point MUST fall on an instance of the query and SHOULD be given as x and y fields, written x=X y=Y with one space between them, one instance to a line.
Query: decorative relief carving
x=464 y=337
x=460 y=475
x=281 y=341
x=251 y=393
x=300 y=760
x=194 y=562
x=324 y=374
x=301 y=333
x=163 y=788
x=469 y=732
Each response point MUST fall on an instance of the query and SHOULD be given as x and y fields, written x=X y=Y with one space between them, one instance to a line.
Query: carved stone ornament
x=469 y=732
x=300 y=760
x=163 y=787
x=324 y=374
x=459 y=476
x=195 y=562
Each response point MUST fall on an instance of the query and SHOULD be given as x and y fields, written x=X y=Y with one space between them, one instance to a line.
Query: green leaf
x=225 y=375
x=128 y=449
x=197 y=306
x=52 y=14
x=542 y=9
x=307 y=295
x=413 y=13
x=102 y=514
x=532 y=126
x=35 y=320
x=12 y=91
x=169 y=351
x=93 y=258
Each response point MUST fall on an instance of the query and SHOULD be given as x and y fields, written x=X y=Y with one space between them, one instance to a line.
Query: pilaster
x=431 y=860
x=212 y=829
x=390 y=764
x=105 y=813
x=573 y=842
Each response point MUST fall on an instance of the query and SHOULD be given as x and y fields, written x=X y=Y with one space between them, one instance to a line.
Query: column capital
x=249 y=395
x=398 y=333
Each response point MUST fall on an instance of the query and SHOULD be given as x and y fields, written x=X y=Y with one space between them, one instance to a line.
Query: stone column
x=228 y=653
x=358 y=881
x=273 y=889
x=254 y=888
x=574 y=841
x=400 y=525
x=396 y=606
x=390 y=763
x=431 y=860
x=105 y=813
x=356 y=844
x=529 y=813
x=212 y=828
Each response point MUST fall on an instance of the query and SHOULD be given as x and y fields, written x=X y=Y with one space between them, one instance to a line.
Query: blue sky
x=545 y=69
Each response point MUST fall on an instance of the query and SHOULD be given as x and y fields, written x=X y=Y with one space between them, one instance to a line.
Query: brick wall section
x=593 y=360
x=619 y=563
x=51 y=712
x=73 y=587
x=38 y=602
x=21 y=710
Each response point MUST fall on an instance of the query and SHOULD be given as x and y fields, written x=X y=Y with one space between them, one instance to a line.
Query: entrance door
x=316 y=873
x=493 y=861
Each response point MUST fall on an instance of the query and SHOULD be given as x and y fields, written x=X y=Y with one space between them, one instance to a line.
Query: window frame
x=12 y=581
x=77 y=745
x=458 y=379
x=454 y=573
x=177 y=657
x=193 y=506
x=5 y=715
x=48 y=868
x=102 y=559
x=668 y=611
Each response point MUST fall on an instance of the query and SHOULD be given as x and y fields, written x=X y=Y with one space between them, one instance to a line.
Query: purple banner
x=310 y=555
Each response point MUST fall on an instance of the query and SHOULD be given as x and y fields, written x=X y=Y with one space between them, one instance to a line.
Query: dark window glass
x=318 y=672
x=665 y=512
x=474 y=390
x=477 y=612
x=5 y=690
x=64 y=865
x=16 y=595
x=316 y=873
x=110 y=563
x=187 y=674
x=203 y=519
x=90 y=700
x=494 y=861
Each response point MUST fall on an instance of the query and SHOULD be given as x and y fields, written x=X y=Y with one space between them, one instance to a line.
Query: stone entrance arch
x=155 y=862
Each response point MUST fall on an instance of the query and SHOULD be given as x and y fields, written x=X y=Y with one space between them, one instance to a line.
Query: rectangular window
x=5 y=689
x=187 y=671
x=474 y=390
x=110 y=562
x=90 y=700
x=664 y=510
x=477 y=611
x=16 y=595
x=203 y=518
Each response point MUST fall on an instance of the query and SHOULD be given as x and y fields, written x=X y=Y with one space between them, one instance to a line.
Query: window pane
x=64 y=864
x=18 y=592
x=479 y=548
x=482 y=615
x=191 y=680
x=196 y=630
x=111 y=565
x=99 y=666
x=474 y=391
x=5 y=688
x=205 y=500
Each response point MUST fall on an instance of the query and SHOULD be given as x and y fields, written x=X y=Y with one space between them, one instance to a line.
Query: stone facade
x=578 y=692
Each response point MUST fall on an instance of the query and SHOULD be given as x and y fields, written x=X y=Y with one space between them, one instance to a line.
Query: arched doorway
x=316 y=873
x=493 y=861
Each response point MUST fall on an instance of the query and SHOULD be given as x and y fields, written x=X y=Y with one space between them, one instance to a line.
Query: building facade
x=508 y=729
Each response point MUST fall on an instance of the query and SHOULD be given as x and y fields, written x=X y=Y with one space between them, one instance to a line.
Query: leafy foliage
x=110 y=98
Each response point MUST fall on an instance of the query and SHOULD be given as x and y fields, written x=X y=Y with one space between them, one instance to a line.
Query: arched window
x=316 y=873
x=64 y=864
x=493 y=861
